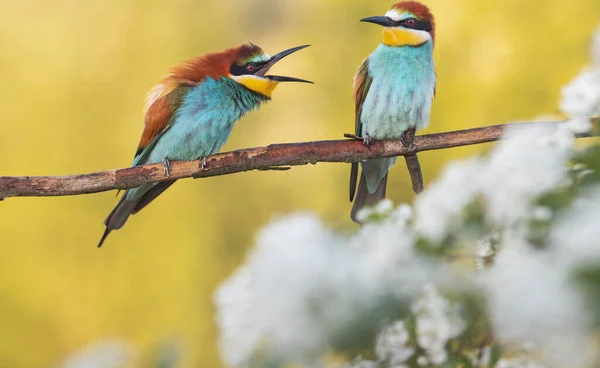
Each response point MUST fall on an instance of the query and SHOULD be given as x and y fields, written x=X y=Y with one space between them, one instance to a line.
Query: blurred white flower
x=576 y=234
x=437 y=322
x=359 y=363
x=485 y=250
x=364 y=213
x=542 y=214
x=530 y=161
x=382 y=208
x=422 y=361
x=392 y=345
x=483 y=359
x=529 y=346
x=518 y=363
x=304 y=288
x=530 y=300
x=441 y=204
x=105 y=354
x=581 y=98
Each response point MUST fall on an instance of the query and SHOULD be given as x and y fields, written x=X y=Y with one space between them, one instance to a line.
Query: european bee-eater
x=191 y=112
x=393 y=92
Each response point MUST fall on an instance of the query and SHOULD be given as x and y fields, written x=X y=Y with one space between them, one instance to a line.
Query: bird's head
x=251 y=64
x=407 y=23
x=246 y=64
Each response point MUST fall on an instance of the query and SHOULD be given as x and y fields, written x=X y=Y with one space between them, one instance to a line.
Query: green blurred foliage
x=74 y=74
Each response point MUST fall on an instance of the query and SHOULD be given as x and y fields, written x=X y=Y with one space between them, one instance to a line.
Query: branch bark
x=272 y=157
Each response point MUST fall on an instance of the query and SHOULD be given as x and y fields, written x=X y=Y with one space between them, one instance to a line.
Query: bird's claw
x=166 y=167
x=367 y=140
x=202 y=164
x=408 y=137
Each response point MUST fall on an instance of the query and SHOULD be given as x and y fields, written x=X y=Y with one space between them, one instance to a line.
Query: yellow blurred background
x=73 y=77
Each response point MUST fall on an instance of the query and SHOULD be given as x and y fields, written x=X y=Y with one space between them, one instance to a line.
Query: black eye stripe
x=241 y=69
x=419 y=25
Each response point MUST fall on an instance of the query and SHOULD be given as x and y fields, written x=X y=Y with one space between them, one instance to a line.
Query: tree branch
x=272 y=157
x=416 y=175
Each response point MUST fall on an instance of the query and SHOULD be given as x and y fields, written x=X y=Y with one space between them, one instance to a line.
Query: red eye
x=250 y=68
x=410 y=22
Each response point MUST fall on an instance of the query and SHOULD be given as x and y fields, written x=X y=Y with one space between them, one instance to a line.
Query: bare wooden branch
x=414 y=170
x=273 y=157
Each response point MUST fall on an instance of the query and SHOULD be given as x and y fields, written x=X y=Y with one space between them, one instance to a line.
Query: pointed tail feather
x=151 y=195
x=118 y=217
x=126 y=208
x=353 y=178
x=365 y=199
x=104 y=236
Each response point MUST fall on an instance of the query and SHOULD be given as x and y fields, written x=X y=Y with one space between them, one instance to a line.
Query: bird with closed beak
x=190 y=114
x=393 y=92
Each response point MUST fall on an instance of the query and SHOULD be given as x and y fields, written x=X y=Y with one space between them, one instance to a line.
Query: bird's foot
x=408 y=137
x=202 y=165
x=166 y=167
x=367 y=140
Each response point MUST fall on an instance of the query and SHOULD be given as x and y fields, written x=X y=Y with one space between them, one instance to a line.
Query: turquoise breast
x=205 y=119
x=401 y=92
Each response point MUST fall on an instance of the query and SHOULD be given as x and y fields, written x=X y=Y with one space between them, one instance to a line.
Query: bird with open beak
x=191 y=112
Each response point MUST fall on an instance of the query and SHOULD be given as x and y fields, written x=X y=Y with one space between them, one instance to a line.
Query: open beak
x=382 y=21
x=274 y=60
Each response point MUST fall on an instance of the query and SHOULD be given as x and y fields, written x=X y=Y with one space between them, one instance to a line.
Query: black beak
x=280 y=78
x=274 y=60
x=382 y=21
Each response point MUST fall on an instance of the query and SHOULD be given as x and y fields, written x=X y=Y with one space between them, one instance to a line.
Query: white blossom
x=541 y=213
x=576 y=235
x=581 y=98
x=485 y=250
x=392 y=344
x=380 y=209
x=530 y=161
x=441 y=204
x=437 y=322
x=304 y=287
x=359 y=363
x=518 y=363
x=104 y=354
x=422 y=361
x=530 y=299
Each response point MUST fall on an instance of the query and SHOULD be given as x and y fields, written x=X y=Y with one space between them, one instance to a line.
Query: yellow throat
x=393 y=36
x=257 y=84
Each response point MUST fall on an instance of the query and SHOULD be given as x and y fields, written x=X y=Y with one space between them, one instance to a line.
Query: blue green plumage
x=191 y=113
x=395 y=90
x=201 y=124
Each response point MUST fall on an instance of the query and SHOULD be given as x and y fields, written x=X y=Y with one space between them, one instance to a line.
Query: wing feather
x=161 y=104
x=362 y=84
